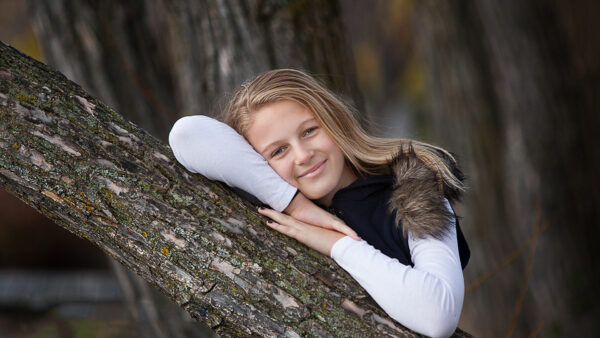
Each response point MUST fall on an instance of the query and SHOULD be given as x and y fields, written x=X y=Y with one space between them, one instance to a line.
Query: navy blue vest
x=364 y=206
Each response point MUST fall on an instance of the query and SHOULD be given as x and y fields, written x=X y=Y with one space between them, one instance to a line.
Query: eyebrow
x=300 y=127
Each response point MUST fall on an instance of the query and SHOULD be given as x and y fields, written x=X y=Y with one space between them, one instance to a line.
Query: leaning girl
x=380 y=207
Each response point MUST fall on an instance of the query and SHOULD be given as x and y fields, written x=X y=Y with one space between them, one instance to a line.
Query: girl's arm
x=426 y=298
x=209 y=147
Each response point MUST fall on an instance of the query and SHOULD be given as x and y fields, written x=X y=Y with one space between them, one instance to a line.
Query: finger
x=335 y=223
x=330 y=221
x=325 y=219
x=346 y=230
x=288 y=231
x=277 y=216
x=321 y=219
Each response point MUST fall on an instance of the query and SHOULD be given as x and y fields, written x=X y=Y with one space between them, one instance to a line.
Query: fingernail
x=269 y=221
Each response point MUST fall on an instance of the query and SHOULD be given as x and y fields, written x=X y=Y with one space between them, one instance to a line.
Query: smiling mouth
x=314 y=171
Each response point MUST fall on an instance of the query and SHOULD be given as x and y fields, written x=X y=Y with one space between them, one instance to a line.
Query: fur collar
x=418 y=197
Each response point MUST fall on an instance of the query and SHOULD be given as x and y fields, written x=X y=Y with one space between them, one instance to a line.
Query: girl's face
x=292 y=141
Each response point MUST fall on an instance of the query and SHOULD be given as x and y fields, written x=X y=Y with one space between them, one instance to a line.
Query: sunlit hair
x=364 y=153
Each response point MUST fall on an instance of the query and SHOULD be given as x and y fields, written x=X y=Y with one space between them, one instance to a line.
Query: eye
x=277 y=151
x=309 y=131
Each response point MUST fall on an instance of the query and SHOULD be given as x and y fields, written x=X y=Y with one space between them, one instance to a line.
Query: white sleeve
x=209 y=147
x=426 y=298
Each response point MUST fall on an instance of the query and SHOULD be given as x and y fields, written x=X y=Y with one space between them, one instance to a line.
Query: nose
x=303 y=154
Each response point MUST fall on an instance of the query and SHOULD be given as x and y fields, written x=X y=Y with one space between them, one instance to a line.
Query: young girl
x=304 y=147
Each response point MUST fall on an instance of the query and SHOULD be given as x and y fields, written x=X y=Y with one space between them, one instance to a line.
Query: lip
x=314 y=171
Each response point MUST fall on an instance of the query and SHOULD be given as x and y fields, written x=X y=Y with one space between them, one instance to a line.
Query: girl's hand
x=314 y=237
x=304 y=210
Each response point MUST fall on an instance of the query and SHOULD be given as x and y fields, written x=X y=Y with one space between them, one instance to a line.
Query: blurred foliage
x=28 y=44
x=368 y=66
x=411 y=85
x=16 y=28
x=384 y=51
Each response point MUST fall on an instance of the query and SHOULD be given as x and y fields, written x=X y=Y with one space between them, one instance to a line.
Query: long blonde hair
x=364 y=153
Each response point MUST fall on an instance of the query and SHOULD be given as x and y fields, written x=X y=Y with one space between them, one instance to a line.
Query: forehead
x=275 y=121
x=279 y=112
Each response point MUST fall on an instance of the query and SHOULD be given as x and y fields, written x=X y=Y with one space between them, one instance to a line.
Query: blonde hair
x=364 y=153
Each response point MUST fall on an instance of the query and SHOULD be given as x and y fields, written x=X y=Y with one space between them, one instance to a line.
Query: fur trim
x=418 y=197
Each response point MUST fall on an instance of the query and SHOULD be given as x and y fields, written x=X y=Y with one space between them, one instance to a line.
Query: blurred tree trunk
x=105 y=179
x=514 y=90
x=158 y=60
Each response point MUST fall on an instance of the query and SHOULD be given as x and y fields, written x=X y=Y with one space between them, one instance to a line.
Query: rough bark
x=103 y=178
x=513 y=89
x=158 y=60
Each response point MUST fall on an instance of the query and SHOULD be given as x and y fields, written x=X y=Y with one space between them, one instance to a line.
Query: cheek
x=339 y=161
x=334 y=150
x=284 y=170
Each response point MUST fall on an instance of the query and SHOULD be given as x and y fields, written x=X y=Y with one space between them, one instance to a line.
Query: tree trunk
x=161 y=59
x=103 y=178
x=513 y=89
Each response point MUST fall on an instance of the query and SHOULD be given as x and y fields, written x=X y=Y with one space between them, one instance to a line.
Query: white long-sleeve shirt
x=426 y=298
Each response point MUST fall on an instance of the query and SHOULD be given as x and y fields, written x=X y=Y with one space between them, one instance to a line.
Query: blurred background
x=512 y=88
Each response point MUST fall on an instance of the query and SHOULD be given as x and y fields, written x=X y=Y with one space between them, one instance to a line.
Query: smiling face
x=295 y=145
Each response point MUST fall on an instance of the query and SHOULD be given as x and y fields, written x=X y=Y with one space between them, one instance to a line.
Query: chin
x=315 y=194
x=313 y=197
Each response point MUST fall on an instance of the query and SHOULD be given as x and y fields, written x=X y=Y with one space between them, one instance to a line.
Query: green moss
x=91 y=123
x=116 y=207
x=19 y=171
x=24 y=96
x=179 y=231
x=183 y=200
x=223 y=253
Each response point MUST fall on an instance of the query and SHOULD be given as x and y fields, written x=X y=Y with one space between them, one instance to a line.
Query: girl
x=304 y=147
